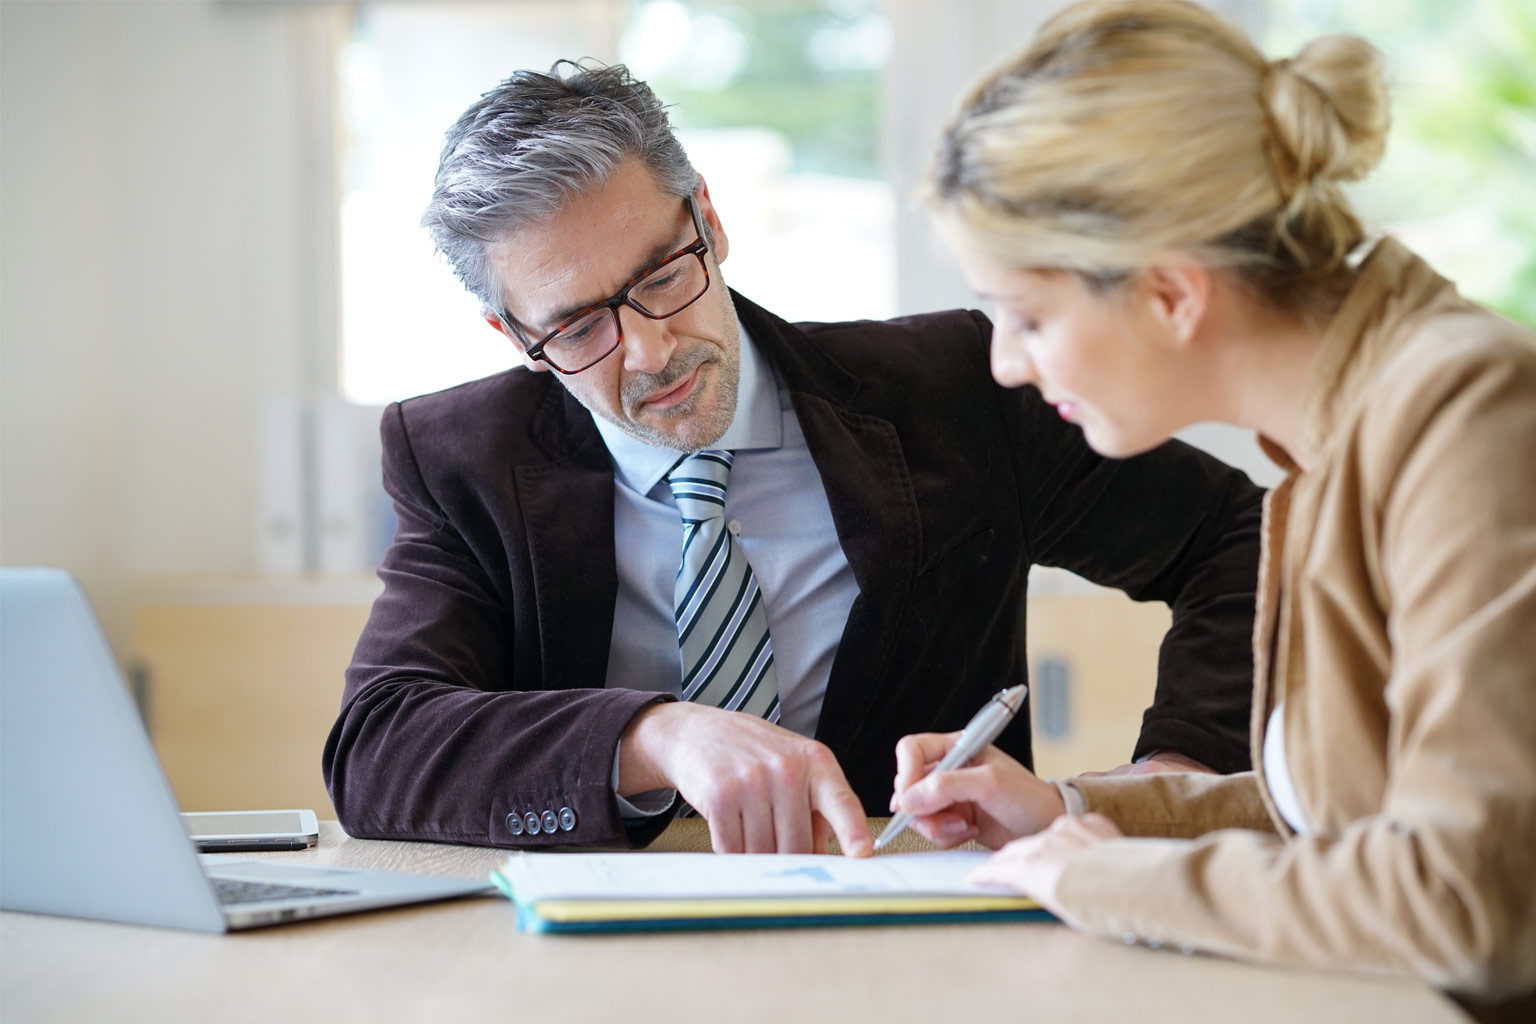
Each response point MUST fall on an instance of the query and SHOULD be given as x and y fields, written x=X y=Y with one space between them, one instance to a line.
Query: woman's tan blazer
x=1396 y=626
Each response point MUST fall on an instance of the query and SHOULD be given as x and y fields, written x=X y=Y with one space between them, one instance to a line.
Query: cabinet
x=1093 y=670
x=244 y=680
x=242 y=683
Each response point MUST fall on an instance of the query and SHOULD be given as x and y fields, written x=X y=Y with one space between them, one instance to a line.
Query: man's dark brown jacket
x=477 y=688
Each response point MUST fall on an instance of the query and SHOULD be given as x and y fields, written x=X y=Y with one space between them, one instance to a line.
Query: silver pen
x=989 y=722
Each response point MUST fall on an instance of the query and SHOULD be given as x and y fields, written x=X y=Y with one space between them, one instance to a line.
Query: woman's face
x=1106 y=360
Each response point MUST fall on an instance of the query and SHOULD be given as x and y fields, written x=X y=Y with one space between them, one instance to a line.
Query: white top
x=1278 y=775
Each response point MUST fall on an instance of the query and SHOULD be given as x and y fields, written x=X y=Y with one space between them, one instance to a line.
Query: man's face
x=671 y=383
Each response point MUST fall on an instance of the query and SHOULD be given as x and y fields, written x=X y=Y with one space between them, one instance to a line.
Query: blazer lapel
x=567 y=507
x=874 y=509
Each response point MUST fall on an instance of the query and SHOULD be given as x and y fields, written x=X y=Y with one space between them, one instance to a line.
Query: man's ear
x=720 y=245
x=491 y=317
x=1179 y=296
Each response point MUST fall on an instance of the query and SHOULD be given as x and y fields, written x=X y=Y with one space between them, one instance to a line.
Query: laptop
x=88 y=825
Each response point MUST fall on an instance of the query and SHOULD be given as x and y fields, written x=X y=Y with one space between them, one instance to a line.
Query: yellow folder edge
x=571 y=911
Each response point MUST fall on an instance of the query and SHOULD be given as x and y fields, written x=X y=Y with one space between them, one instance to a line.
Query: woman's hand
x=994 y=799
x=1033 y=865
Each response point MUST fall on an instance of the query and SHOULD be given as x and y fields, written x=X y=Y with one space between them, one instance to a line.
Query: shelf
x=198 y=591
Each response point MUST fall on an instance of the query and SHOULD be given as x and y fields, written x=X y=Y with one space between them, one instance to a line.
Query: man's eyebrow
x=656 y=254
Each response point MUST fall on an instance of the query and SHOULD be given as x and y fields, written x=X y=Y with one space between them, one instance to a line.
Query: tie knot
x=698 y=484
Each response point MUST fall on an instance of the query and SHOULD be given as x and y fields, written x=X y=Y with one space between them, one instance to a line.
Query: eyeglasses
x=663 y=289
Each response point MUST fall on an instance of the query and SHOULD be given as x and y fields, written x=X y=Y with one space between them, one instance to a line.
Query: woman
x=1155 y=211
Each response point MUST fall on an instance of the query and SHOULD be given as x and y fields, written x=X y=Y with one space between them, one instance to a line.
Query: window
x=1454 y=185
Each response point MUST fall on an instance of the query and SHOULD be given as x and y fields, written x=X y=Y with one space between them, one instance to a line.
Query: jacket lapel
x=874 y=510
x=567 y=507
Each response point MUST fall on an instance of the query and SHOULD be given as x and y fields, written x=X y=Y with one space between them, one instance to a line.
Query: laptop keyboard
x=233 y=890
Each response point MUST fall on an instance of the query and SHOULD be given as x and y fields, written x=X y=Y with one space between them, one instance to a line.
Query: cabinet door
x=240 y=698
x=1093 y=670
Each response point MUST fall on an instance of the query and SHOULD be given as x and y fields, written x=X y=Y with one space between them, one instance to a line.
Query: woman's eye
x=1022 y=323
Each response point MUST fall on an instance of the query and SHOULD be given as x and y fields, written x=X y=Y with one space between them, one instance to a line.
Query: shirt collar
x=756 y=424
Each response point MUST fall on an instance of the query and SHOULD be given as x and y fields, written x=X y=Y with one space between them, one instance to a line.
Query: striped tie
x=722 y=628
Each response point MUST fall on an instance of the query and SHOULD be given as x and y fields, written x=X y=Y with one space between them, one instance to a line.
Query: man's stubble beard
x=696 y=432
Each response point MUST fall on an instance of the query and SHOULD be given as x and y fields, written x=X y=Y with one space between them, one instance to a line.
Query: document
x=574 y=892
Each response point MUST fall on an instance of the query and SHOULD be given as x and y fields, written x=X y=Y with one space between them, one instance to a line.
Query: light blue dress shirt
x=777 y=507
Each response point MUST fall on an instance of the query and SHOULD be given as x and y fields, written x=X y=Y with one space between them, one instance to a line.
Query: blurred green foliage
x=1458 y=183
x=1459 y=179
x=830 y=115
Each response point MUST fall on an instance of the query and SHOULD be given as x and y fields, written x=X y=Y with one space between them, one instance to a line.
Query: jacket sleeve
x=1438 y=882
x=436 y=739
x=1177 y=805
x=1172 y=525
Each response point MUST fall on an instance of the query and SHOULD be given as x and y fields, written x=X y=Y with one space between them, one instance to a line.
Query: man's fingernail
x=953 y=827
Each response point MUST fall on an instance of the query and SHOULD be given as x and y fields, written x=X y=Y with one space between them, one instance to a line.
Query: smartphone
x=227 y=831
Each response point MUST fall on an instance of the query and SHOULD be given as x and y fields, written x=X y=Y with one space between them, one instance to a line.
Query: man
x=853 y=527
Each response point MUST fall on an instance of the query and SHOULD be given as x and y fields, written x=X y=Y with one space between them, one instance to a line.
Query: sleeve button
x=549 y=821
x=514 y=824
x=567 y=819
x=531 y=822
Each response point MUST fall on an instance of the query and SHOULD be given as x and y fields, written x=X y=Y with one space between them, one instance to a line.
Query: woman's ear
x=1179 y=296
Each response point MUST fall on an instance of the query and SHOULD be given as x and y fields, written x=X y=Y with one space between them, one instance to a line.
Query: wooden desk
x=465 y=961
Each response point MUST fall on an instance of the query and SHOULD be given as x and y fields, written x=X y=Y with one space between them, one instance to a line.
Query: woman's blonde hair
x=1129 y=129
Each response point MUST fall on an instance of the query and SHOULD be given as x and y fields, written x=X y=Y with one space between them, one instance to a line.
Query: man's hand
x=762 y=788
x=1162 y=761
x=994 y=799
x=1034 y=865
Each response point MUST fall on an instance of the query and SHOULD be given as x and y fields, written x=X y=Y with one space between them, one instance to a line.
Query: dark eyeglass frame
x=697 y=249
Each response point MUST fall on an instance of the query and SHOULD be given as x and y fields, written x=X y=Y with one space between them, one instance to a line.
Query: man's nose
x=1011 y=365
x=648 y=344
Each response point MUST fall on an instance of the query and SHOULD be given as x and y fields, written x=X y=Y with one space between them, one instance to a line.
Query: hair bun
x=1330 y=111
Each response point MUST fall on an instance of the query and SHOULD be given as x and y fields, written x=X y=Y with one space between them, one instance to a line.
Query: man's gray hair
x=528 y=147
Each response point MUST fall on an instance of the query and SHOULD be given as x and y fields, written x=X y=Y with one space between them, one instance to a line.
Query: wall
x=167 y=263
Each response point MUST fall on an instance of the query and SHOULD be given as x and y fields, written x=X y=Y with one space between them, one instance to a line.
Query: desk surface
x=466 y=961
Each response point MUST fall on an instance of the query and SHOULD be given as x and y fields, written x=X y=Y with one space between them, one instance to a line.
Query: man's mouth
x=675 y=394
